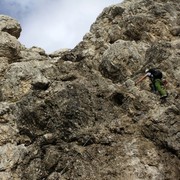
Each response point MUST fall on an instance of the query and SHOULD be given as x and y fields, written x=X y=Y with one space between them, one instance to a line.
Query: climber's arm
x=141 y=79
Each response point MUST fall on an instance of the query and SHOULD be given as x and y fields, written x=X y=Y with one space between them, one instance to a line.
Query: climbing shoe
x=164 y=96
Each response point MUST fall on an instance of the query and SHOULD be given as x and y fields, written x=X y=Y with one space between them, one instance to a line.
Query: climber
x=156 y=84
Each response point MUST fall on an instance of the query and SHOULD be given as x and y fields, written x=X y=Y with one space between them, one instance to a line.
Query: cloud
x=15 y=8
x=54 y=24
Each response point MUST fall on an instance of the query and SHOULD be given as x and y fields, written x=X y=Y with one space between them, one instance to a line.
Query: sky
x=54 y=24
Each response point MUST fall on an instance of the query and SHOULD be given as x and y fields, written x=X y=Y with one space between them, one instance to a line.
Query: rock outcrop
x=77 y=114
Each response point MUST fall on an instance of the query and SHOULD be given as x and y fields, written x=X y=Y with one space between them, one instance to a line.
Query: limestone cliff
x=76 y=114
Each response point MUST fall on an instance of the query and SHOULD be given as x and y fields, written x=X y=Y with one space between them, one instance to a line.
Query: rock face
x=77 y=114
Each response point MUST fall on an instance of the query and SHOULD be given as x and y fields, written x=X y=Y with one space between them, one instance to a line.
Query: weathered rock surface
x=77 y=114
x=10 y=25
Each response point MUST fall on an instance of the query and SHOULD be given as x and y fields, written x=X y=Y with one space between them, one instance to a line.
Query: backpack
x=157 y=74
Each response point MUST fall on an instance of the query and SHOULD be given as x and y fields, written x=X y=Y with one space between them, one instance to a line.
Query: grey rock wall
x=77 y=114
